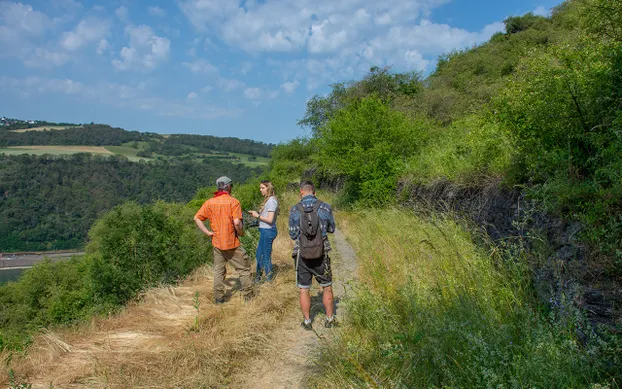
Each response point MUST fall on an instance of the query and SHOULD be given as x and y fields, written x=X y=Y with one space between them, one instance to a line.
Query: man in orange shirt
x=225 y=216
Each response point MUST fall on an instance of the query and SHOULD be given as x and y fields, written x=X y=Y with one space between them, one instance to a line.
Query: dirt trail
x=289 y=357
x=163 y=341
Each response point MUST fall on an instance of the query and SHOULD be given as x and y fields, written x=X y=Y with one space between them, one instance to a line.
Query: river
x=12 y=265
x=10 y=274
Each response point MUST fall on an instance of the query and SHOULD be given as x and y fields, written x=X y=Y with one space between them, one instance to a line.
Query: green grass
x=434 y=310
x=141 y=145
x=261 y=161
x=126 y=151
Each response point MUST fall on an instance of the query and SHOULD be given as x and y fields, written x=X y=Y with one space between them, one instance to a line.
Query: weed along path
x=176 y=337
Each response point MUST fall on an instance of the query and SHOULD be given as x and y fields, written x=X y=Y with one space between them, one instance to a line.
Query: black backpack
x=311 y=241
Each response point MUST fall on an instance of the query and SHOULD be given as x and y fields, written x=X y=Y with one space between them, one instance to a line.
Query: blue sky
x=218 y=67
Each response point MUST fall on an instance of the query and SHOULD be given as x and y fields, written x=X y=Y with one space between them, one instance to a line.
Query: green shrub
x=135 y=247
x=48 y=293
x=290 y=161
x=466 y=152
x=368 y=143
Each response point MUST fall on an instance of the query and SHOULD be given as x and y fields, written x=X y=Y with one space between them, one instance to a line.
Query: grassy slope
x=434 y=310
x=126 y=151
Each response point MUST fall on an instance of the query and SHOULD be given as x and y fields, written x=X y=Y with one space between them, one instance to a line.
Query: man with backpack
x=309 y=223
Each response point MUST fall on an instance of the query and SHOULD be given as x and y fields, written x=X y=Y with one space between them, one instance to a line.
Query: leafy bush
x=562 y=111
x=465 y=152
x=135 y=247
x=368 y=143
x=48 y=293
x=290 y=161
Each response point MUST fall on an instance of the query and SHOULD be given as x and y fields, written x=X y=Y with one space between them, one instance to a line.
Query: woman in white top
x=267 y=230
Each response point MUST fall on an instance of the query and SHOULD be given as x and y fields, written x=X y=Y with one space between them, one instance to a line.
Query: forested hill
x=104 y=135
x=87 y=135
x=51 y=202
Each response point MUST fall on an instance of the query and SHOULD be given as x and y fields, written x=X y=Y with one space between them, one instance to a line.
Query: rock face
x=565 y=274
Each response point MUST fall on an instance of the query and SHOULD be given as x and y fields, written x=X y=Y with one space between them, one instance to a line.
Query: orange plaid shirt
x=221 y=211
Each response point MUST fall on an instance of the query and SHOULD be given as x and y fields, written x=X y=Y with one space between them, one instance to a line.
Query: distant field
x=43 y=128
x=55 y=150
x=125 y=151
x=261 y=161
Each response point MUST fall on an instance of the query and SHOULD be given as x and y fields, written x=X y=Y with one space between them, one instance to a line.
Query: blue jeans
x=264 y=253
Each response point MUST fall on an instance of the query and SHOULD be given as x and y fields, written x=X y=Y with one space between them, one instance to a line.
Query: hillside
x=56 y=183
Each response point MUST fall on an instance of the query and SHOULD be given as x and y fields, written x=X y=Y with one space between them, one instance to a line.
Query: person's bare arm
x=239 y=226
x=202 y=227
x=268 y=219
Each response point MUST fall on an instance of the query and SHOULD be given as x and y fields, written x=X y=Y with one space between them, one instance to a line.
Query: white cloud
x=156 y=12
x=273 y=94
x=43 y=58
x=192 y=96
x=145 y=50
x=200 y=66
x=132 y=97
x=207 y=89
x=333 y=40
x=21 y=29
x=67 y=4
x=289 y=25
x=415 y=60
x=541 y=11
x=252 y=93
x=246 y=67
x=229 y=85
x=290 y=87
x=23 y=19
x=87 y=31
x=382 y=19
x=122 y=13
x=102 y=47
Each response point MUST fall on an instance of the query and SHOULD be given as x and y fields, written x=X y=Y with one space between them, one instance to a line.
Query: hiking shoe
x=330 y=323
x=306 y=326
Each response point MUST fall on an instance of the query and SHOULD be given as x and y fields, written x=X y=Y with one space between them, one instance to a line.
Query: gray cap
x=223 y=181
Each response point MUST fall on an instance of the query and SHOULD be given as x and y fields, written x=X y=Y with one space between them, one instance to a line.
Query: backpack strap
x=316 y=207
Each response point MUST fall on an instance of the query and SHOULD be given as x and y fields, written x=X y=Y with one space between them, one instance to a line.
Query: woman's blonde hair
x=270 y=192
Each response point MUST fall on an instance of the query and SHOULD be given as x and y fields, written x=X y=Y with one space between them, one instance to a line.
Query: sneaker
x=306 y=326
x=330 y=323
